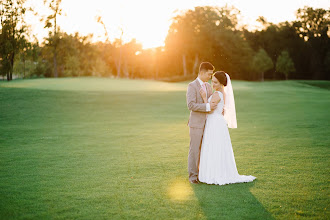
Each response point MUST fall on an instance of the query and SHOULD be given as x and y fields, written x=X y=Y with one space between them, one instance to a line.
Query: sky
x=148 y=20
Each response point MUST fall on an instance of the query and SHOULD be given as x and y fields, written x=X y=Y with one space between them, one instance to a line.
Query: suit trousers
x=196 y=136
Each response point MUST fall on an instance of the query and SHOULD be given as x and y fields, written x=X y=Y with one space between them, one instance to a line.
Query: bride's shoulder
x=216 y=96
x=220 y=93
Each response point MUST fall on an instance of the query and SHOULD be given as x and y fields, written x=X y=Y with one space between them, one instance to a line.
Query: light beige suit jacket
x=196 y=124
x=196 y=105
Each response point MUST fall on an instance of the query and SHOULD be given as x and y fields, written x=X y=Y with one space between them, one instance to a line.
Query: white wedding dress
x=217 y=162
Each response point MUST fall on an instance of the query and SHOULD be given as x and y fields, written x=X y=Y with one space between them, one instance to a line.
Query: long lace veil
x=230 y=111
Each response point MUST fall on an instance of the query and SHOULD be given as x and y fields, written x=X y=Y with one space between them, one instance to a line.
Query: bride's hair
x=221 y=77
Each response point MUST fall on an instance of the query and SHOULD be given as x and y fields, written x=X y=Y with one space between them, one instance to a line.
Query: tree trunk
x=23 y=66
x=118 y=63
x=55 y=64
x=55 y=45
x=11 y=66
x=126 y=73
x=262 y=77
x=118 y=68
x=195 y=64
x=184 y=64
x=156 y=77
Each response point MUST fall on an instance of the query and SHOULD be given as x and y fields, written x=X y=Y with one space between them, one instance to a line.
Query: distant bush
x=42 y=69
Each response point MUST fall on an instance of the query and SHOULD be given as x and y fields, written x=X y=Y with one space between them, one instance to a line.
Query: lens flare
x=180 y=190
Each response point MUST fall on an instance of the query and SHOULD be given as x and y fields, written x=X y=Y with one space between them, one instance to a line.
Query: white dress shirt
x=208 y=107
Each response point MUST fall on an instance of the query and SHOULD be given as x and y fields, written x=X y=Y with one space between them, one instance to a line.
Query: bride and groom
x=211 y=158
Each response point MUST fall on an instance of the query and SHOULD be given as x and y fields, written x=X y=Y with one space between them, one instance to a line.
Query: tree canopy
x=298 y=50
x=285 y=64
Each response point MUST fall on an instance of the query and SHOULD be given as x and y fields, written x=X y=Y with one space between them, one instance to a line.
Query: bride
x=217 y=162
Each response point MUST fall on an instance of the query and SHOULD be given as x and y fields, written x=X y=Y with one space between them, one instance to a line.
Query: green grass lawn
x=92 y=148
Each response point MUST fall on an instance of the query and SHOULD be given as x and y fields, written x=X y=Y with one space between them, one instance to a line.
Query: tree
x=262 y=63
x=190 y=36
x=313 y=26
x=285 y=64
x=77 y=56
x=51 y=22
x=275 y=38
x=118 y=49
x=118 y=53
x=128 y=52
x=312 y=22
x=327 y=63
x=208 y=33
x=13 y=33
x=25 y=54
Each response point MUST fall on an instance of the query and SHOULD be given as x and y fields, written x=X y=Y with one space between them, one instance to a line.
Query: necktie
x=204 y=88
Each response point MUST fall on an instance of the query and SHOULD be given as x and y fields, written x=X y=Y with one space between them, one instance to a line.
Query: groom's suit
x=198 y=113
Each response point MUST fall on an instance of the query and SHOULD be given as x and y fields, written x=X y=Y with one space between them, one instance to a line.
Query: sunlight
x=84 y=84
x=148 y=21
x=180 y=190
x=134 y=18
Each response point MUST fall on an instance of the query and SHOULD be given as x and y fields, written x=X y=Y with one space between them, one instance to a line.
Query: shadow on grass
x=316 y=83
x=233 y=201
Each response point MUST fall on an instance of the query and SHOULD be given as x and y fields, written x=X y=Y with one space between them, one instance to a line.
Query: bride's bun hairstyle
x=221 y=77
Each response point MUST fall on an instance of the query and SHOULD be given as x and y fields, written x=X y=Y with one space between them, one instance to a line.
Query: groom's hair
x=205 y=66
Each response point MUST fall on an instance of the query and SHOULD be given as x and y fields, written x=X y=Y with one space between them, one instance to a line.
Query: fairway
x=101 y=148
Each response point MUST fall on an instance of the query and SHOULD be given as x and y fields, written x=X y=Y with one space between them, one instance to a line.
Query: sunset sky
x=148 y=21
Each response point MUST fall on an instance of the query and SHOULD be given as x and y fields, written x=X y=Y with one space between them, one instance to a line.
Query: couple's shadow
x=233 y=201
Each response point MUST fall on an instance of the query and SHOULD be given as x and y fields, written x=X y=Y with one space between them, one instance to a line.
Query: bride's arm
x=224 y=100
x=215 y=98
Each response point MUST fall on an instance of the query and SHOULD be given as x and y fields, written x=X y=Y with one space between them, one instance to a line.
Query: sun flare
x=148 y=21
x=180 y=190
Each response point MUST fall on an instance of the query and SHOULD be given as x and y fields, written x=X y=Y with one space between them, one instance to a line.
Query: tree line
x=289 y=50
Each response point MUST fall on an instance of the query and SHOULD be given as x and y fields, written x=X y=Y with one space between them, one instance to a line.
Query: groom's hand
x=213 y=105
x=203 y=94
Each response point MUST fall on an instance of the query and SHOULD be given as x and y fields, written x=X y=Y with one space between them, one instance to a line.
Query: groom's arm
x=192 y=101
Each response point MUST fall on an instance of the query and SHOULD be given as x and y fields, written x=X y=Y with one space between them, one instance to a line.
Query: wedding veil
x=230 y=111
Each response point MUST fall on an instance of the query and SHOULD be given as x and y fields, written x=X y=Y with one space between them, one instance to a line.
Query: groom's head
x=205 y=71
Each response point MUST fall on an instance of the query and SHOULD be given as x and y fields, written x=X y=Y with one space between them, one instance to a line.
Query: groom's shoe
x=194 y=181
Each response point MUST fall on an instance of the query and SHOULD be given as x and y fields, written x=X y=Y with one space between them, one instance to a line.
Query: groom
x=198 y=112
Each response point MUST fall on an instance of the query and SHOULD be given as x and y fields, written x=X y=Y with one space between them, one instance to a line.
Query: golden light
x=180 y=190
x=148 y=21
